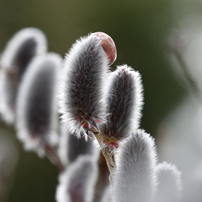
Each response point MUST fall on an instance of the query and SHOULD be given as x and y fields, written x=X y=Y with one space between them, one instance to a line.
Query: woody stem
x=53 y=157
x=107 y=153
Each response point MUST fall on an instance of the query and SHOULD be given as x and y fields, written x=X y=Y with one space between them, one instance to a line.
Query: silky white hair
x=124 y=96
x=77 y=183
x=82 y=82
x=134 y=178
x=19 y=51
x=16 y=42
x=36 y=103
x=169 y=183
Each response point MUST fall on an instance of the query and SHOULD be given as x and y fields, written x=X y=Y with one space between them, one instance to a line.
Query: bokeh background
x=139 y=28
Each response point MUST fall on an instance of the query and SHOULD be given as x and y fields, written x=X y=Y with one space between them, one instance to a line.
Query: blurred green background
x=139 y=29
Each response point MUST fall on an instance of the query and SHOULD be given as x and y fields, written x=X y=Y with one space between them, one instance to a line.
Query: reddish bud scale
x=108 y=46
x=111 y=146
x=88 y=123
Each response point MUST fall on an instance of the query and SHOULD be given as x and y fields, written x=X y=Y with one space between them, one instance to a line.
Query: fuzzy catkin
x=82 y=82
x=124 y=102
x=169 y=183
x=36 y=104
x=18 y=53
x=78 y=181
x=135 y=178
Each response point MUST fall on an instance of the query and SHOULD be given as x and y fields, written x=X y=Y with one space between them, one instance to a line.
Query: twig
x=102 y=181
x=53 y=157
x=107 y=153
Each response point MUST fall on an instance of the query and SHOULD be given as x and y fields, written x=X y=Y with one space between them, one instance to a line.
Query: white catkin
x=135 y=176
x=77 y=183
x=169 y=183
x=36 y=103
x=124 y=102
x=19 y=51
x=17 y=40
x=82 y=82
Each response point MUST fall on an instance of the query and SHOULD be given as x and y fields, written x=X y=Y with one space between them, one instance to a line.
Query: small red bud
x=108 y=46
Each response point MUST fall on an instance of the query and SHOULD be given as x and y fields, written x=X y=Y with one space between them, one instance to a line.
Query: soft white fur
x=24 y=90
x=134 y=179
x=169 y=183
x=82 y=174
x=6 y=63
x=64 y=83
x=16 y=41
x=136 y=110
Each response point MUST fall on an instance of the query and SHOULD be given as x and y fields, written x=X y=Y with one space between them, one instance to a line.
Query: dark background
x=139 y=29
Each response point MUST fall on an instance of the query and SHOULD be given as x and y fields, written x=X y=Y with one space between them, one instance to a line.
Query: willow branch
x=53 y=157
x=107 y=153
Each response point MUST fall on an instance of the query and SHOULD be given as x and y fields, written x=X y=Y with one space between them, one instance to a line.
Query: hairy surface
x=18 y=53
x=169 y=183
x=81 y=89
x=36 y=112
x=78 y=181
x=135 y=177
x=124 y=103
x=22 y=46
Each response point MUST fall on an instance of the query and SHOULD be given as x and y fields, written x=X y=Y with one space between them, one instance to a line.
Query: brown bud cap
x=108 y=46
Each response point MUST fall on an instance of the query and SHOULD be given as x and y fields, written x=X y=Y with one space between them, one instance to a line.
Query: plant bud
x=169 y=183
x=124 y=104
x=78 y=181
x=18 y=53
x=135 y=178
x=36 y=103
x=81 y=90
x=108 y=45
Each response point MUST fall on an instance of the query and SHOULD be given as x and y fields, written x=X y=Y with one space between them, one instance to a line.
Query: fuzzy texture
x=18 y=53
x=71 y=147
x=135 y=176
x=169 y=183
x=77 y=183
x=36 y=104
x=124 y=102
x=26 y=41
x=82 y=82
